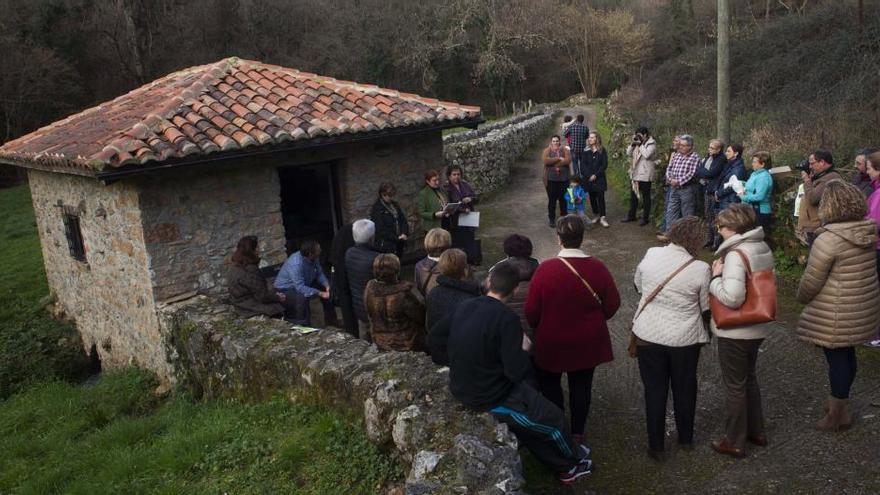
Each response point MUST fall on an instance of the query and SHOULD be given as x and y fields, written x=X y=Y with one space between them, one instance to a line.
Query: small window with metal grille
x=74 y=235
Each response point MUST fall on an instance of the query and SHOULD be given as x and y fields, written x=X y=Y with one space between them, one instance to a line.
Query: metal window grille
x=74 y=236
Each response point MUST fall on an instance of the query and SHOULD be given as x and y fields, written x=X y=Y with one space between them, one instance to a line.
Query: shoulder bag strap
x=745 y=261
x=578 y=275
x=427 y=281
x=660 y=287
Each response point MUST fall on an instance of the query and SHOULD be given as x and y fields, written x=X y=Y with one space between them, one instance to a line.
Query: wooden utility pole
x=723 y=63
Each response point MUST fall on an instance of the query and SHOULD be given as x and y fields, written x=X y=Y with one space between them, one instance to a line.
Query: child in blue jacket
x=576 y=197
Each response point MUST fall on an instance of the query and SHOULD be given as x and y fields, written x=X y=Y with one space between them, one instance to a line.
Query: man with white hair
x=682 y=181
x=359 y=267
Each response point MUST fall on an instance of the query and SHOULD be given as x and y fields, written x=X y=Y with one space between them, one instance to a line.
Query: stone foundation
x=487 y=153
x=403 y=398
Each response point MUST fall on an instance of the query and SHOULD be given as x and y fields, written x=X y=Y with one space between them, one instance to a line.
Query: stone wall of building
x=486 y=154
x=193 y=218
x=402 y=397
x=110 y=294
x=402 y=161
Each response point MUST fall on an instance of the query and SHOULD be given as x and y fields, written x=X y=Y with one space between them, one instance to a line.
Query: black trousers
x=645 y=191
x=580 y=392
x=841 y=370
x=297 y=310
x=597 y=202
x=765 y=220
x=539 y=425
x=556 y=195
x=661 y=367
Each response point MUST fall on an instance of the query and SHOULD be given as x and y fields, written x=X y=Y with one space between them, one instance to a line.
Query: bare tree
x=599 y=43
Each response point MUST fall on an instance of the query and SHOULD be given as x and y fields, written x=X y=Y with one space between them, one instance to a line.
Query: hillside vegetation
x=799 y=82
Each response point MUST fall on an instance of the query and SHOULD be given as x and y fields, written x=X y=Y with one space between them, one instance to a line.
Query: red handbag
x=760 y=303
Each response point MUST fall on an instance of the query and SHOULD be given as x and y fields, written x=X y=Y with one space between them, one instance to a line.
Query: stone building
x=140 y=201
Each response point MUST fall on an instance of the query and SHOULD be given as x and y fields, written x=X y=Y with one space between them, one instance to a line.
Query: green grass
x=117 y=437
x=33 y=347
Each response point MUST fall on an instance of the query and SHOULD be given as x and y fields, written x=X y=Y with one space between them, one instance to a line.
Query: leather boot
x=829 y=422
x=844 y=418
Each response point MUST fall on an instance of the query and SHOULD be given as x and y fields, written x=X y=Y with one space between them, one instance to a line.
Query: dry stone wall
x=486 y=154
x=109 y=294
x=402 y=397
x=192 y=220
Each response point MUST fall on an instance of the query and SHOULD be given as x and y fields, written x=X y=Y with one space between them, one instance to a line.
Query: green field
x=117 y=436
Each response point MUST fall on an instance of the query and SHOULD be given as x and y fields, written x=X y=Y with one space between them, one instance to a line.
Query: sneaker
x=604 y=222
x=873 y=343
x=552 y=224
x=662 y=238
x=586 y=451
x=628 y=220
x=578 y=471
x=595 y=220
x=642 y=223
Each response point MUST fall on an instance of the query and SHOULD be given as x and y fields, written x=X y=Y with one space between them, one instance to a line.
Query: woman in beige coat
x=840 y=290
x=738 y=347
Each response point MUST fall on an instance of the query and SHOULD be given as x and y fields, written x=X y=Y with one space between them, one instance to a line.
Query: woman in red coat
x=570 y=298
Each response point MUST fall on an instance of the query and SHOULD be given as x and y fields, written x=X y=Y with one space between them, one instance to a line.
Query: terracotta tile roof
x=228 y=105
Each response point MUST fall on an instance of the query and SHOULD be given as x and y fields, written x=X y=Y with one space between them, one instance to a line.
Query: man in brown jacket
x=821 y=173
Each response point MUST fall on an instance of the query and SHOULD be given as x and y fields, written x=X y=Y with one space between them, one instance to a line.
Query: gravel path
x=792 y=376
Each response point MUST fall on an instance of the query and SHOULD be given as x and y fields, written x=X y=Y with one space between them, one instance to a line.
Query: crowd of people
x=510 y=336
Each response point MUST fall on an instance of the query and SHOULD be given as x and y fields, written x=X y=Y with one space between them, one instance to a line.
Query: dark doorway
x=309 y=206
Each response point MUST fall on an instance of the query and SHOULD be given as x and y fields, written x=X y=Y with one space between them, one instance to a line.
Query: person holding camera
x=821 y=172
x=641 y=173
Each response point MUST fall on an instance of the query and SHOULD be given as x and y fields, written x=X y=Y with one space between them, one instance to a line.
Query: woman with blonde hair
x=595 y=165
x=437 y=241
x=839 y=288
x=668 y=329
x=742 y=250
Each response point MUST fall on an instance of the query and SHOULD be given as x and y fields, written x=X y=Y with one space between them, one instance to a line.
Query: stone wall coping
x=402 y=398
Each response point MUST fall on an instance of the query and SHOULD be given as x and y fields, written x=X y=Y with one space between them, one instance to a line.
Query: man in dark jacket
x=487 y=372
x=359 y=267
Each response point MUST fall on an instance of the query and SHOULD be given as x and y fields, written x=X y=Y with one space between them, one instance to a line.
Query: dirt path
x=792 y=376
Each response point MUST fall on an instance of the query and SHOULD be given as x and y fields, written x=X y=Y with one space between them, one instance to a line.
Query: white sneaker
x=604 y=222
x=594 y=220
x=873 y=343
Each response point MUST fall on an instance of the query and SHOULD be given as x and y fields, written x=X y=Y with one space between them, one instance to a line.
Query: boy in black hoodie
x=487 y=369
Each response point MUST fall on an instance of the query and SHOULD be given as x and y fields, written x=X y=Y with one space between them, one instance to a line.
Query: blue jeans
x=665 y=207
x=297 y=310
x=682 y=203
x=577 y=160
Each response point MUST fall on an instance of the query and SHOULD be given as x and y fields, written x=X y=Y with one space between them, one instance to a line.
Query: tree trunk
x=723 y=62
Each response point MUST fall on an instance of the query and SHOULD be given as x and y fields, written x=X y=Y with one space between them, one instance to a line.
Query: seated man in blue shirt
x=488 y=369
x=302 y=279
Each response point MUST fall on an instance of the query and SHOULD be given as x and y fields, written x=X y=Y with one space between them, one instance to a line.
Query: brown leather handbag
x=760 y=303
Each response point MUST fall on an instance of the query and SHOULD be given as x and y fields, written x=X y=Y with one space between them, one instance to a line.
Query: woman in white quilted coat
x=669 y=331
x=738 y=347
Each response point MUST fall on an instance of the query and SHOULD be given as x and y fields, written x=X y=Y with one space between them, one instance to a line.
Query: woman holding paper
x=432 y=202
x=463 y=237
x=758 y=189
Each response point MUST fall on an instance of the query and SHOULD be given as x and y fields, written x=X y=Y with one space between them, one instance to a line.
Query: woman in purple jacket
x=460 y=191
x=873 y=171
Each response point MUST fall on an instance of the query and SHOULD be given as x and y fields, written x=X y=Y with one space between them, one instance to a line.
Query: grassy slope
x=32 y=346
x=117 y=437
